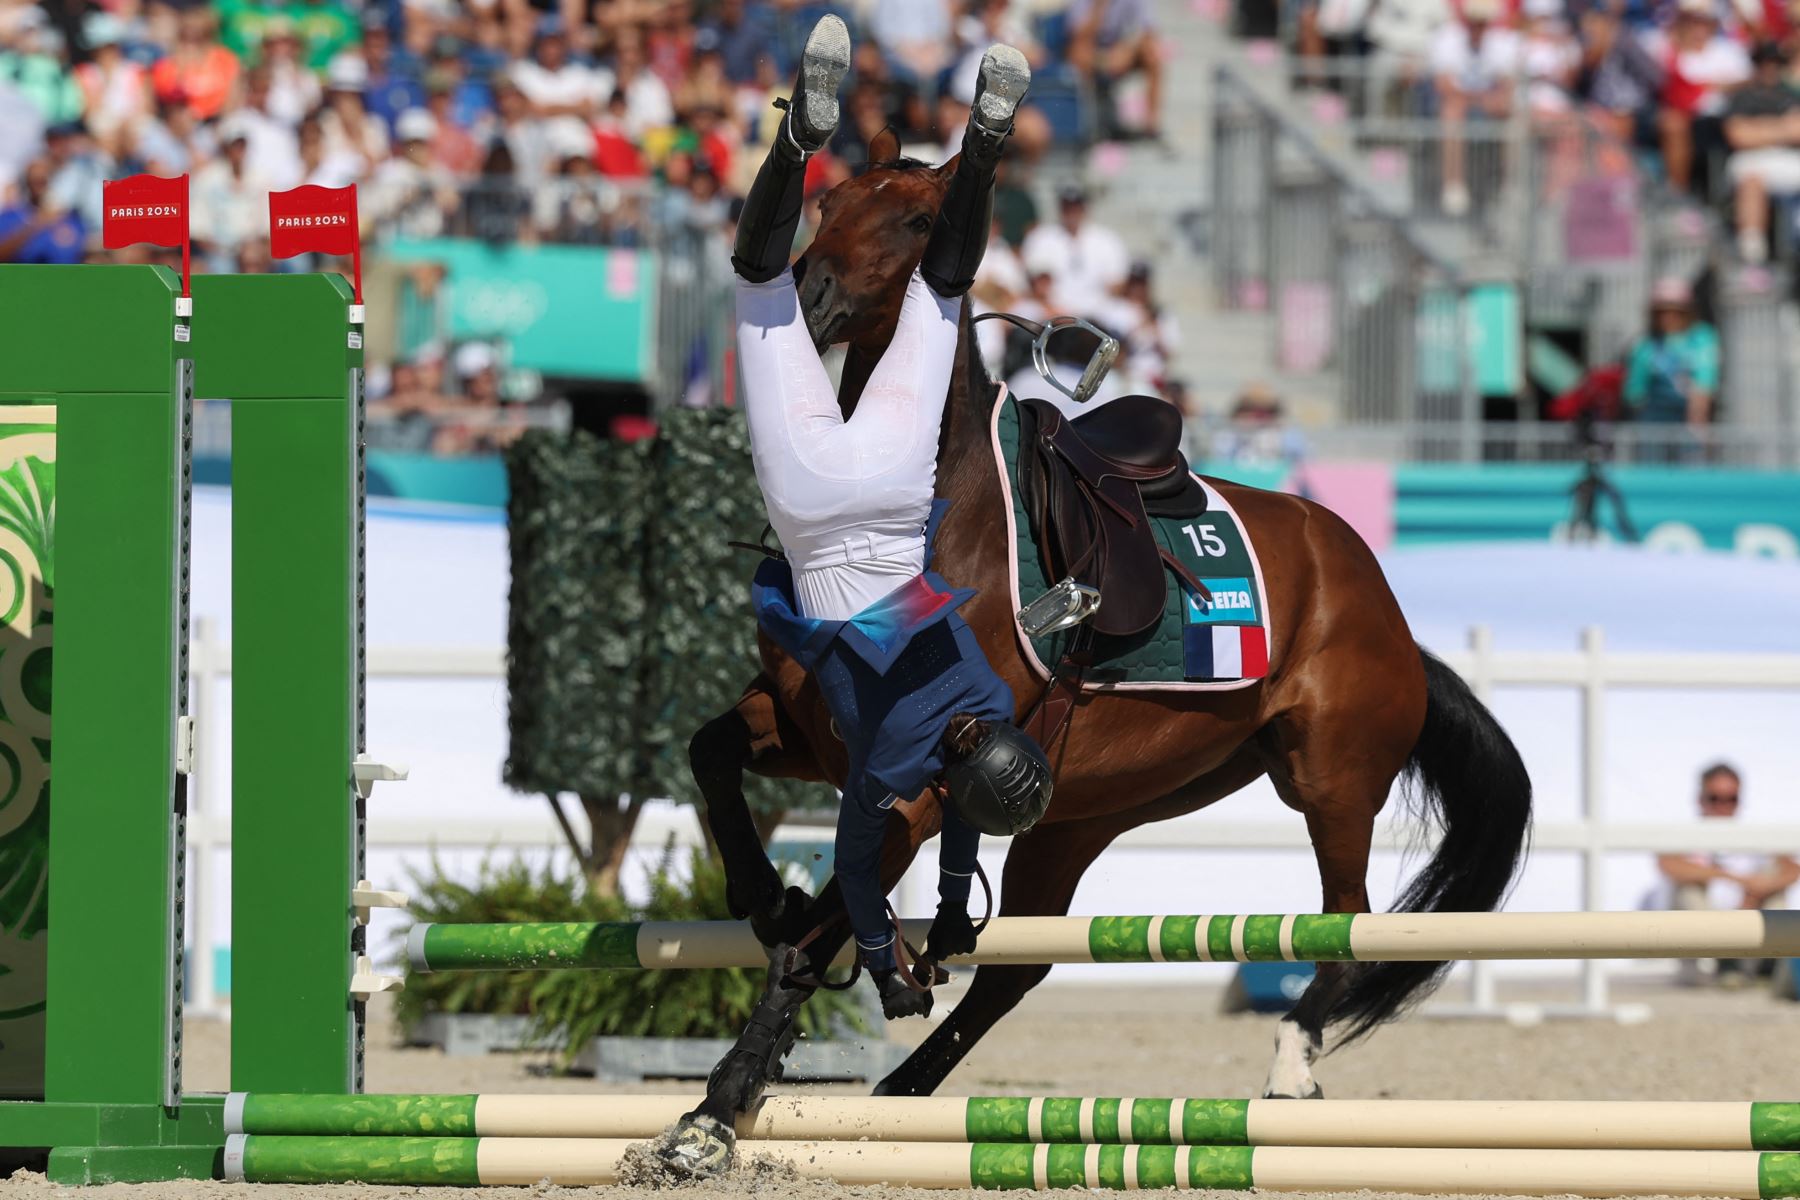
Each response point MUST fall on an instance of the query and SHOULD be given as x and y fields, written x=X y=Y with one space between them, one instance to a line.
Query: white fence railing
x=1592 y=670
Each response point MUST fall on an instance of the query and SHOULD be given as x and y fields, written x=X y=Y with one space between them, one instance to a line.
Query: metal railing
x=1355 y=290
x=1593 y=670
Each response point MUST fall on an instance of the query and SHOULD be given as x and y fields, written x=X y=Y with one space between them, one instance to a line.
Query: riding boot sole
x=1001 y=84
x=823 y=65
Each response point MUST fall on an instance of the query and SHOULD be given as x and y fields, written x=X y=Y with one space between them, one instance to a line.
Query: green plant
x=570 y=1007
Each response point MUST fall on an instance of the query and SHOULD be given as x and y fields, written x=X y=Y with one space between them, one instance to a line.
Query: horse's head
x=872 y=232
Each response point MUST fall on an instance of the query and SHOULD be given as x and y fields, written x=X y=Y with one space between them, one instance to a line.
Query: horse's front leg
x=704 y=1138
x=756 y=734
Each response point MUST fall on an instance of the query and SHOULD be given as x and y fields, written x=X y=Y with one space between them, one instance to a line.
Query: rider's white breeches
x=848 y=499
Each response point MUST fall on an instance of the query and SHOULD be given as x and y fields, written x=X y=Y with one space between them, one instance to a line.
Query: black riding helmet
x=1003 y=785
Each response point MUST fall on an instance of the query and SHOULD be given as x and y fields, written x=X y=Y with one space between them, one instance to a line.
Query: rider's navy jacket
x=892 y=677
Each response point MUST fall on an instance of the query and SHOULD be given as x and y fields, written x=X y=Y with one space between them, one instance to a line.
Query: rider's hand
x=952 y=933
x=898 y=997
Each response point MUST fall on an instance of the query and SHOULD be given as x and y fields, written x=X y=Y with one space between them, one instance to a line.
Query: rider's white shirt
x=848 y=499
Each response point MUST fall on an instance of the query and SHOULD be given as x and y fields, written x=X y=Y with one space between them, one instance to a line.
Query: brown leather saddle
x=1090 y=486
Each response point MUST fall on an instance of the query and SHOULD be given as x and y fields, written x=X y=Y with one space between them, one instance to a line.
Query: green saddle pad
x=1194 y=646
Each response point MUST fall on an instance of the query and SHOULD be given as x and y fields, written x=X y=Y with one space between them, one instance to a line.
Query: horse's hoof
x=699 y=1148
x=1315 y=1092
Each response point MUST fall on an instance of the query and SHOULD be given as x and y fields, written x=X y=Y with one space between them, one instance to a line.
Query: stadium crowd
x=1705 y=88
x=602 y=122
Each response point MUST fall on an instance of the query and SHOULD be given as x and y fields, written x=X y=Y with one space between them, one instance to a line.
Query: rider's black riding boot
x=771 y=216
x=960 y=235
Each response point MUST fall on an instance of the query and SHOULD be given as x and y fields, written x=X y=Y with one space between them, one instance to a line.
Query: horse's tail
x=1466 y=776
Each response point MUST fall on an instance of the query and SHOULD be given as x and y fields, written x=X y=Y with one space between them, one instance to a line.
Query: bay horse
x=1350 y=704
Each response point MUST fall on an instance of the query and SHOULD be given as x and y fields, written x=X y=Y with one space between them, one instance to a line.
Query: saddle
x=1090 y=486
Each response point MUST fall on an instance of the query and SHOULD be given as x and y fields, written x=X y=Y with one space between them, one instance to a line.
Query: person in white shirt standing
x=1722 y=881
x=1474 y=62
x=1086 y=262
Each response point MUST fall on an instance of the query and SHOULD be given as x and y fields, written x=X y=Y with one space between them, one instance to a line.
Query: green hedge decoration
x=630 y=618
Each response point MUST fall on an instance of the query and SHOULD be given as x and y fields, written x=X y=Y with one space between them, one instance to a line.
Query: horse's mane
x=902 y=163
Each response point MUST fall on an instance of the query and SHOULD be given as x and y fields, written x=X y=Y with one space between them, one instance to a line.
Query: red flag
x=146 y=208
x=316 y=220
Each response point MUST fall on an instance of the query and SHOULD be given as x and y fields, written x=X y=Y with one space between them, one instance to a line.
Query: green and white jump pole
x=1368 y=937
x=1468 y=1124
x=422 y=1162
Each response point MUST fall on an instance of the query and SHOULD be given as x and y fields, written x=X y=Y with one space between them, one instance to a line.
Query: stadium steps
x=1157 y=195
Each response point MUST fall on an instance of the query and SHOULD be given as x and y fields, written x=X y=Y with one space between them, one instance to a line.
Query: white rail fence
x=1591 y=670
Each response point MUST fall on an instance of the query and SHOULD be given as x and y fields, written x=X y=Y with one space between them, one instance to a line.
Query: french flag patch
x=1224 y=652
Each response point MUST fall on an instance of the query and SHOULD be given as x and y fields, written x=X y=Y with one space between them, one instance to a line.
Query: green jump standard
x=1340 y=937
x=424 y=1162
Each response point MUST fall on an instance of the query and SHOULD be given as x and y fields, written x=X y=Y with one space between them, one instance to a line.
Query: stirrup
x=1064 y=606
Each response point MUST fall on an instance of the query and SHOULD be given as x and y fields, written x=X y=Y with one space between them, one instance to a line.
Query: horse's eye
x=920 y=224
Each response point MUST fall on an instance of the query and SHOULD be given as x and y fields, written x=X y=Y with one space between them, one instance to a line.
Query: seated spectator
x=1258 y=432
x=706 y=85
x=914 y=37
x=197 y=70
x=351 y=131
x=454 y=148
x=616 y=152
x=1112 y=39
x=1701 y=64
x=1762 y=125
x=1672 y=372
x=33 y=61
x=1149 y=331
x=744 y=37
x=230 y=201
x=647 y=102
x=498 y=208
x=293 y=86
x=326 y=28
x=527 y=136
x=274 y=154
x=32 y=230
x=410 y=194
x=115 y=90
x=320 y=167
x=1474 y=62
x=554 y=83
x=1549 y=57
x=1400 y=34
x=393 y=85
x=1085 y=261
x=1722 y=881
x=1617 y=77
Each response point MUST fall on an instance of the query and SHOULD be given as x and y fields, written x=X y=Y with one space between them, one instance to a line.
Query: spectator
x=454 y=148
x=393 y=85
x=318 y=166
x=1400 y=35
x=230 y=200
x=1701 y=64
x=1258 y=432
x=1112 y=39
x=1549 y=57
x=1474 y=62
x=1149 y=332
x=1672 y=372
x=744 y=37
x=274 y=152
x=527 y=138
x=1762 y=125
x=647 y=103
x=32 y=230
x=32 y=61
x=707 y=85
x=77 y=171
x=914 y=37
x=351 y=132
x=1086 y=261
x=616 y=152
x=198 y=71
x=325 y=28
x=1722 y=881
x=293 y=85
x=555 y=84
x=1617 y=77
x=498 y=209
x=115 y=90
x=411 y=194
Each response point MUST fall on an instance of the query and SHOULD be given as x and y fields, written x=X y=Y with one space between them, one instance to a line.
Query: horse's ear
x=884 y=146
x=949 y=168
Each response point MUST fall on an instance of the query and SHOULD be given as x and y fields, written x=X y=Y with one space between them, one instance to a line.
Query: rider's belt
x=857 y=547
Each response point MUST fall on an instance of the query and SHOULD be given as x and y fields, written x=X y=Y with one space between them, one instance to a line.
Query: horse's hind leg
x=1334 y=777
